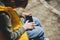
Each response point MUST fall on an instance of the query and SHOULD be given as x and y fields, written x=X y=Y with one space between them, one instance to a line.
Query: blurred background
x=48 y=12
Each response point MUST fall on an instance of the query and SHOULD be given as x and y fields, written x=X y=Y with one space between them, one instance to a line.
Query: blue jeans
x=37 y=33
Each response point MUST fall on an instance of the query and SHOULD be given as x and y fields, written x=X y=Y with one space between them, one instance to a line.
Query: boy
x=37 y=32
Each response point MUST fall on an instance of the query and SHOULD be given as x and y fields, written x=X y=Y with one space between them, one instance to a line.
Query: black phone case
x=29 y=18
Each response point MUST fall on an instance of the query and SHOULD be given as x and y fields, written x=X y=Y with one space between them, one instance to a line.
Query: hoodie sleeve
x=6 y=27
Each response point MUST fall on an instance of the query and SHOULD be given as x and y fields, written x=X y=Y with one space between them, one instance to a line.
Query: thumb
x=27 y=21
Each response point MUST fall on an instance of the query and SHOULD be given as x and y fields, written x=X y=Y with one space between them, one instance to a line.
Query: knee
x=41 y=33
x=38 y=31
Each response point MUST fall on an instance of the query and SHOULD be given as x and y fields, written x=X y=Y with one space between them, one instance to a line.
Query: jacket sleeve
x=6 y=27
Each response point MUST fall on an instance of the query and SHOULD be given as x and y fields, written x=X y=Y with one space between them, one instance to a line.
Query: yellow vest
x=15 y=21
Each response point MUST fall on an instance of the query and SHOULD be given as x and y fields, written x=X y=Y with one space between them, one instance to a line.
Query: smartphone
x=29 y=18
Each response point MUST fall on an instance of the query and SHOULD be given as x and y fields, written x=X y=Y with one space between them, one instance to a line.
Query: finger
x=30 y=14
x=32 y=22
x=27 y=21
